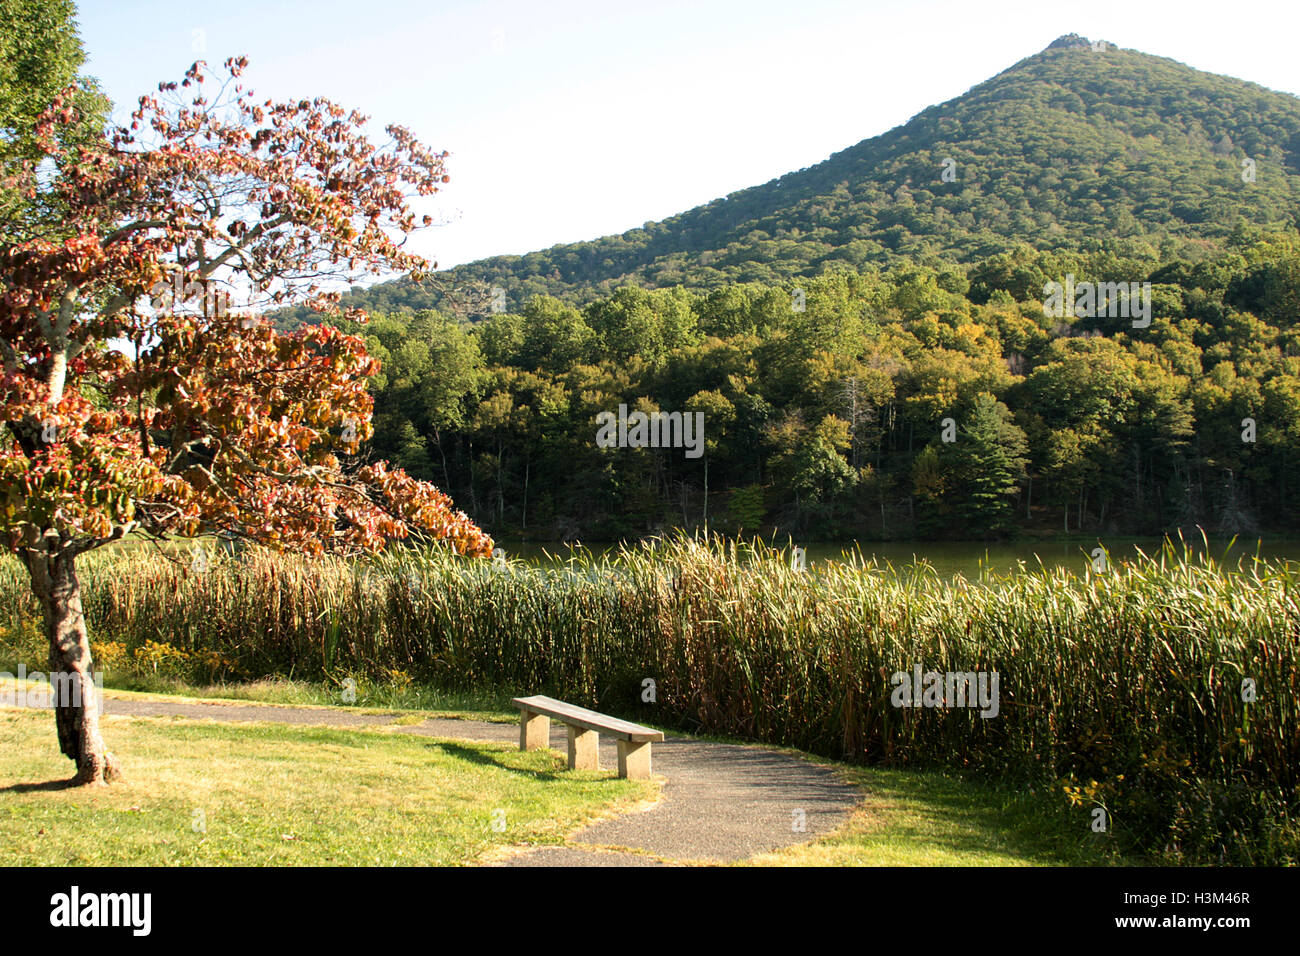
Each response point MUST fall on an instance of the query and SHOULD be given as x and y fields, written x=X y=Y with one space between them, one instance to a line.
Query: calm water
x=966 y=558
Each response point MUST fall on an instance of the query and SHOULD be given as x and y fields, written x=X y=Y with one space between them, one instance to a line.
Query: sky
x=573 y=119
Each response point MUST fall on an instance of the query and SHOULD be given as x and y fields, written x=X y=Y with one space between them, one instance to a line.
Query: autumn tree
x=136 y=400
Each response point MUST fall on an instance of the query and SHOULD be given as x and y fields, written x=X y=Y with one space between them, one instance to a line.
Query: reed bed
x=1125 y=689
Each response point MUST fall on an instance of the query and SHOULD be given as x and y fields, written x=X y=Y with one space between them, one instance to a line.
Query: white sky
x=572 y=119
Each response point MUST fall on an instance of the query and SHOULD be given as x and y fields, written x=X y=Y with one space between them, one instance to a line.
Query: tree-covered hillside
x=902 y=402
x=1074 y=148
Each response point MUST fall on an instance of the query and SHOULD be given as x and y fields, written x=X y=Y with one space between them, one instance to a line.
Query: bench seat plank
x=588 y=719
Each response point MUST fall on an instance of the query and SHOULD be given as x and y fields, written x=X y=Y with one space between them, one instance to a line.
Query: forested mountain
x=872 y=348
x=1074 y=148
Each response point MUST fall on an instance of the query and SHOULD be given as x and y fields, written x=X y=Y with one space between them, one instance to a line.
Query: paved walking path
x=720 y=803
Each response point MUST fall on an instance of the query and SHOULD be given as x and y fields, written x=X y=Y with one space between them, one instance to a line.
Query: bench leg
x=534 y=730
x=634 y=760
x=583 y=753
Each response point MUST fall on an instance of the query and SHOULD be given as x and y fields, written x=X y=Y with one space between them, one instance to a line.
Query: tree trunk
x=528 y=467
x=501 y=477
x=473 y=498
x=446 y=472
x=72 y=687
x=706 y=490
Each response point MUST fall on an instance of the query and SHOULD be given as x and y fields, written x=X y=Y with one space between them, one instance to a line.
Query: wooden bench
x=585 y=727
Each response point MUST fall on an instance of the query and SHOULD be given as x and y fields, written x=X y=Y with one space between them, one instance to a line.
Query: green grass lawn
x=203 y=793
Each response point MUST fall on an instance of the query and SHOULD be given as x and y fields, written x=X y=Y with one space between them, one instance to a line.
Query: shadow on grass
x=48 y=785
x=490 y=759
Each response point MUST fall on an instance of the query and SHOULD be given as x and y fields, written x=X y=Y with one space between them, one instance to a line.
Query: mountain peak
x=1055 y=152
x=1070 y=41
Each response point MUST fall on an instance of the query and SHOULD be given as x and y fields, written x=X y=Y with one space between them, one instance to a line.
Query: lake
x=966 y=557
